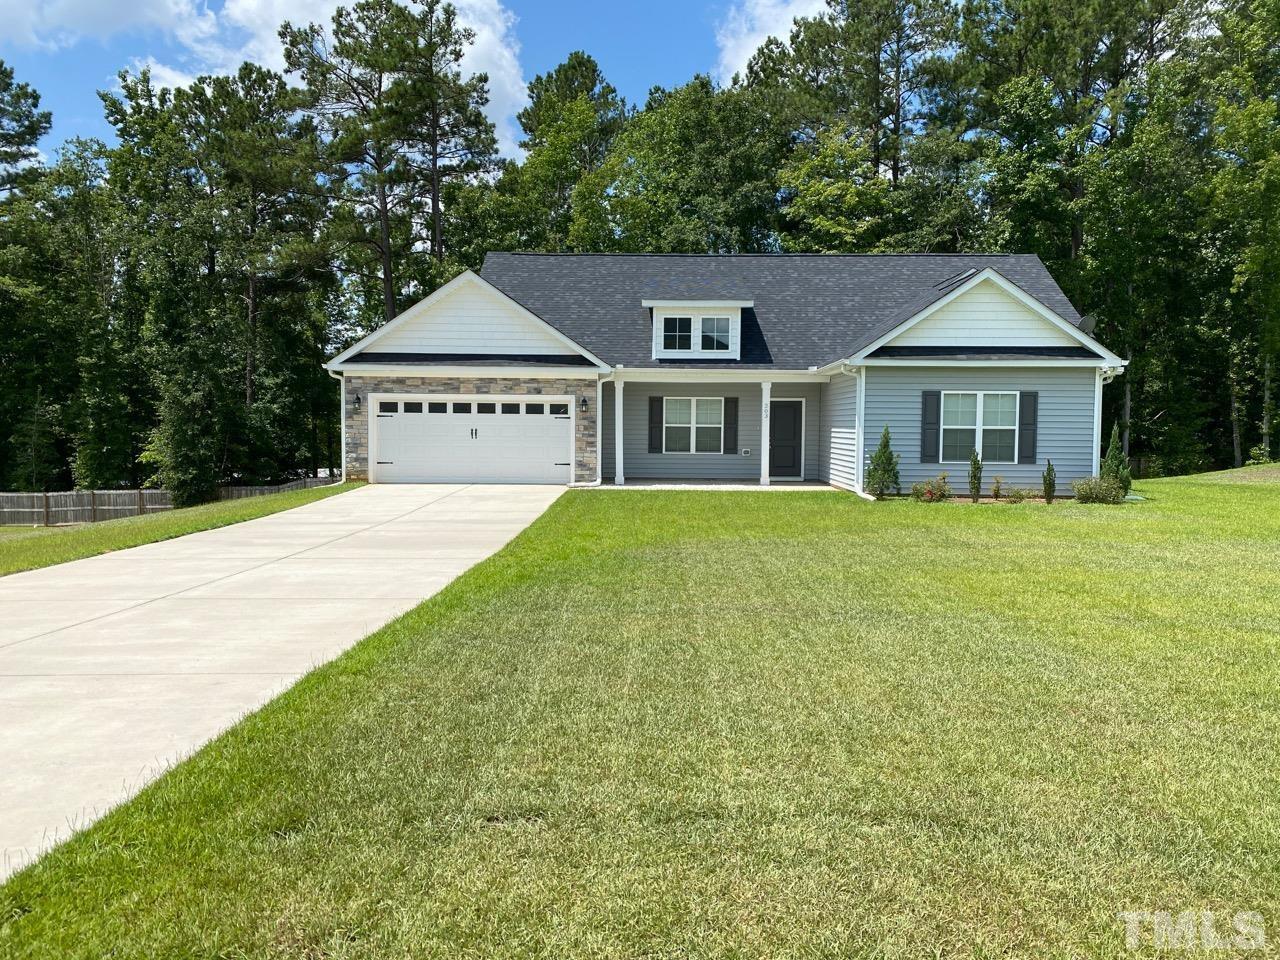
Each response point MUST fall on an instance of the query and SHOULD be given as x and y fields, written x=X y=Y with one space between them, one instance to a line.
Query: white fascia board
x=718 y=375
x=464 y=278
x=1030 y=302
x=925 y=362
x=445 y=370
x=696 y=304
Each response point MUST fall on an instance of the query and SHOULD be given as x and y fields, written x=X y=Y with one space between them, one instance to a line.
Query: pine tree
x=1114 y=461
x=882 y=471
x=975 y=476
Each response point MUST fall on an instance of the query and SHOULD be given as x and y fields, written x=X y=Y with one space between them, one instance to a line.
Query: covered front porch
x=719 y=430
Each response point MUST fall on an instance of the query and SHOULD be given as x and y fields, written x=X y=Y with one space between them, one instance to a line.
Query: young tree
x=882 y=470
x=975 y=476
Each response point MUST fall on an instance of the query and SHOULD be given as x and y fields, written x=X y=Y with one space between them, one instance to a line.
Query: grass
x=29 y=548
x=704 y=724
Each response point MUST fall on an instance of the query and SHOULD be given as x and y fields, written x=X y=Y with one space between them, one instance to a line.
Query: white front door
x=503 y=439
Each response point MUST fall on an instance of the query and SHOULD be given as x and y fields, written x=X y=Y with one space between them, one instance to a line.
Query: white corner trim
x=1097 y=422
x=467 y=277
x=1013 y=290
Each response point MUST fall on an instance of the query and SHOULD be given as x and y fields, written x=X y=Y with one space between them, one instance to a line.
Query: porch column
x=766 y=390
x=618 y=477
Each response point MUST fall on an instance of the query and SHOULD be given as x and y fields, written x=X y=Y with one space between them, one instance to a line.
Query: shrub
x=882 y=472
x=996 y=484
x=1018 y=494
x=1097 y=490
x=932 y=491
x=1259 y=455
x=1113 y=462
x=1049 y=481
x=975 y=476
x=1125 y=479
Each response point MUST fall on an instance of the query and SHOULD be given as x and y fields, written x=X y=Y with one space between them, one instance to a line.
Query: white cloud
x=217 y=42
x=749 y=22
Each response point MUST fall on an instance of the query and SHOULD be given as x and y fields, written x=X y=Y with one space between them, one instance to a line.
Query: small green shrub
x=1097 y=490
x=975 y=476
x=932 y=491
x=1049 y=481
x=1125 y=479
x=1259 y=455
x=1018 y=494
x=882 y=471
x=997 y=484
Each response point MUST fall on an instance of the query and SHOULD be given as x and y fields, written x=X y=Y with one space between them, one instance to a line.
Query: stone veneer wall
x=585 y=446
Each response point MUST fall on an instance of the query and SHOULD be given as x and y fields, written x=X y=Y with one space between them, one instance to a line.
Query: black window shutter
x=1028 y=417
x=655 y=424
x=730 y=426
x=930 y=424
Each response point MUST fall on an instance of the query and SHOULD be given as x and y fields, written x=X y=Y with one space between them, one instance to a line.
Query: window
x=715 y=333
x=388 y=406
x=533 y=408
x=412 y=406
x=486 y=408
x=677 y=333
x=462 y=408
x=692 y=424
x=437 y=408
x=986 y=422
x=559 y=409
x=511 y=408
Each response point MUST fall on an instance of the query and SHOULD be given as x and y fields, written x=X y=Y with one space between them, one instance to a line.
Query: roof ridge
x=772 y=256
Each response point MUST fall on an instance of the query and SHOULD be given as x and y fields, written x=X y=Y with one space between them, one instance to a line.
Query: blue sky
x=70 y=49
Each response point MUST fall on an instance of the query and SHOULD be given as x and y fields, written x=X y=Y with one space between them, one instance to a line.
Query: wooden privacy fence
x=90 y=506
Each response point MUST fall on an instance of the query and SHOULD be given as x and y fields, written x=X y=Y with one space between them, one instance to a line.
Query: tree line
x=167 y=299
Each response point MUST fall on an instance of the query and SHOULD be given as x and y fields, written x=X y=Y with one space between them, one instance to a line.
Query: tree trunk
x=384 y=244
x=437 y=231
x=251 y=345
x=1267 y=412
x=1126 y=412
x=1237 y=457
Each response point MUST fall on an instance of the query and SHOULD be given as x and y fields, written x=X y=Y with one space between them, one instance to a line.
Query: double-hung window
x=986 y=422
x=715 y=333
x=677 y=333
x=692 y=424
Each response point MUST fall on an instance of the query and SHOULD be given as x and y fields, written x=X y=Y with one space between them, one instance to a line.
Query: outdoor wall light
x=582 y=404
x=357 y=402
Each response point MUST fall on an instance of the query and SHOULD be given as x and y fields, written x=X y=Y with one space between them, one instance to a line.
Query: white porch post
x=619 y=477
x=766 y=389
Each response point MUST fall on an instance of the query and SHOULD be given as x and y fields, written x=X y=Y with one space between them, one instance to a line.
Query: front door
x=786 y=439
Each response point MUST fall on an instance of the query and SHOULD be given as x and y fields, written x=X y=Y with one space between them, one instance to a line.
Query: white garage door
x=511 y=439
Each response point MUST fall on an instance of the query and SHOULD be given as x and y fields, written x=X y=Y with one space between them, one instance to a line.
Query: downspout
x=342 y=417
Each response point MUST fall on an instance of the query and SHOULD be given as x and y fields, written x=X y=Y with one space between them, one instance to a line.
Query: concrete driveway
x=113 y=668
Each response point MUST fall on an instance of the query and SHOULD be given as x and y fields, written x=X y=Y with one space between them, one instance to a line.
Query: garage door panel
x=452 y=441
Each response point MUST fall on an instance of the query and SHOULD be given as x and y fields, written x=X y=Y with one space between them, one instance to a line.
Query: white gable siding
x=470 y=320
x=985 y=316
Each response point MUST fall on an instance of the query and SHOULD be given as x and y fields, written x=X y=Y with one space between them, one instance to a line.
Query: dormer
x=707 y=329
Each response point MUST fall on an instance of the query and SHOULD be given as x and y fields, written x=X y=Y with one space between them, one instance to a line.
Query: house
x=586 y=369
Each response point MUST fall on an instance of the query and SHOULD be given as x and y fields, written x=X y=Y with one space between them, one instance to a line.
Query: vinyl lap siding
x=986 y=316
x=640 y=464
x=471 y=320
x=1065 y=419
x=841 y=431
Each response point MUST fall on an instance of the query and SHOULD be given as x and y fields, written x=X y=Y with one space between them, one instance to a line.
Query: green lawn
x=687 y=724
x=28 y=548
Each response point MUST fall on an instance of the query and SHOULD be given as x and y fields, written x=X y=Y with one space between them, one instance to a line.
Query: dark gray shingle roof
x=809 y=309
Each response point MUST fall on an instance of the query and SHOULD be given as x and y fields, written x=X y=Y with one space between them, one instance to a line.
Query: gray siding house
x=585 y=369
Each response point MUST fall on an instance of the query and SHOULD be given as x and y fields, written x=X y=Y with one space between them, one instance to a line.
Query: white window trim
x=692 y=426
x=728 y=335
x=696 y=315
x=978 y=428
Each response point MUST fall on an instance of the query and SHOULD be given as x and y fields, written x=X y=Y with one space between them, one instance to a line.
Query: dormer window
x=715 y=333
x=697 y=330
x=677 y=333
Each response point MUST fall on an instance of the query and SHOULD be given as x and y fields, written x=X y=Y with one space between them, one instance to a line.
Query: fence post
x=93 y=506
x=46 y=508
x=141 y=505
